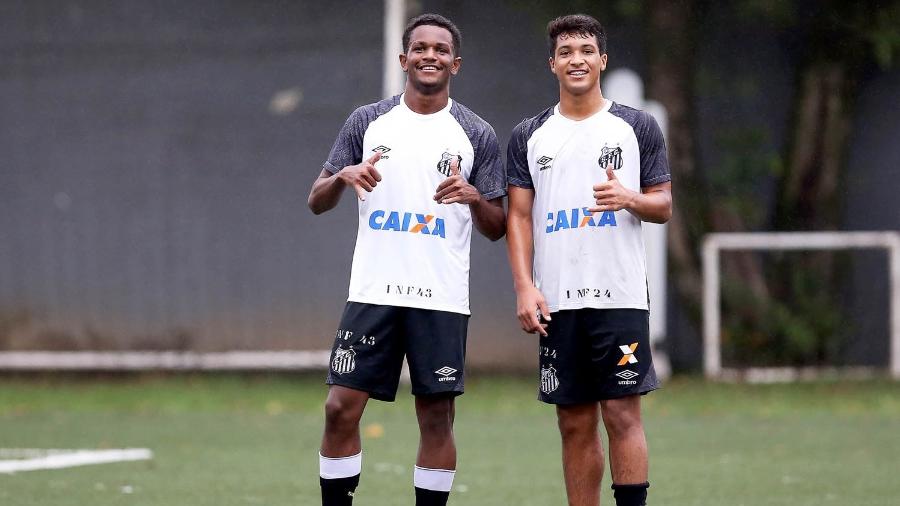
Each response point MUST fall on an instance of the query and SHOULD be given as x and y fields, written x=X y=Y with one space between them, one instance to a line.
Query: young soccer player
x=424 y=168
x=583 y=175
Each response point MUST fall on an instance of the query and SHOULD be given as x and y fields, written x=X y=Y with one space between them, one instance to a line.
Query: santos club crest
x=344 y=361
x=549 y=381
x=443 y=166
x=610 y=156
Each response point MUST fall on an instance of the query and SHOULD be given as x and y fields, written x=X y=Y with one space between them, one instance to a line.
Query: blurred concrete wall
x=157 y=157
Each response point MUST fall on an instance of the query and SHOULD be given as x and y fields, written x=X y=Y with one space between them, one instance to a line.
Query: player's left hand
x=611 y=195
x=455 y=189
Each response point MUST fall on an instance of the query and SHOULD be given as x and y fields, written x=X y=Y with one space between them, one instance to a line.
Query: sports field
x=249 y=440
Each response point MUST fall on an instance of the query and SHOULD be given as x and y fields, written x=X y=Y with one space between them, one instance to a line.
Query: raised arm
x=653 y=203
x=327 y=188
x=488 y=215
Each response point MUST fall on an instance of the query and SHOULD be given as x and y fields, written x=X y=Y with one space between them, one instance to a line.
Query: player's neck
x=579 y=107
x=422 y=103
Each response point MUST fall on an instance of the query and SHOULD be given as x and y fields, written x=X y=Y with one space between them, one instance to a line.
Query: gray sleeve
x=348 y=145
x=487 y=173
x=517 y=173
x=654 y=164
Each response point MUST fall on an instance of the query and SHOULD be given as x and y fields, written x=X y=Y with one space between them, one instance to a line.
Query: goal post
x=775 y=241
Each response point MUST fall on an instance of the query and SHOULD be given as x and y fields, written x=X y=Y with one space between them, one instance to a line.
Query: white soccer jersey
x=584 y=259
x=410 y=250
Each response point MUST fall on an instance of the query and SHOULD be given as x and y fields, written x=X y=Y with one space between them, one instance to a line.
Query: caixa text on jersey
x=399 y=221
x=577 y=218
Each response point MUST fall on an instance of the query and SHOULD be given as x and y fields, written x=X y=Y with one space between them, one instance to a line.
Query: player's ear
x=552 y=64
x=454 y=68
x=603 y=61
x=403 y=62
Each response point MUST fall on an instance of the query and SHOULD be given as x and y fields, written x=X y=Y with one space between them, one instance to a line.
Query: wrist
x=632 y=201
x=522 y=285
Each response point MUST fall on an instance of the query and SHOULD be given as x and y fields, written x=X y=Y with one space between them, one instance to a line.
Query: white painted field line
x=59 y=459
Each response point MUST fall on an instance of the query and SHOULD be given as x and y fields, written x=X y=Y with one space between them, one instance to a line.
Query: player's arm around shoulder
x=327 y=188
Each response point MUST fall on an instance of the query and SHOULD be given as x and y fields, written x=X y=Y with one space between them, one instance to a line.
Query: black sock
x=338 y=491
x=425 y=497
x=631 y=495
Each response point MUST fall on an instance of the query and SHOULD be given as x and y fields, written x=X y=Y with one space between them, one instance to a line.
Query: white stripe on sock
x=332 y=468
x=440 y=480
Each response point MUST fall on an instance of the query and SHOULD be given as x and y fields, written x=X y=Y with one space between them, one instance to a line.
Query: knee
x=340 y=414
x=436 y=418
x=620 y=421
x=576 y=424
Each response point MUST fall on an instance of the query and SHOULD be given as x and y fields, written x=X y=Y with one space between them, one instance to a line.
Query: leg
x=437 y=449
x=582 y=452
x=627 y=448
x=436 y=461
x=343 y=410
x=340 y=458
x=436 y=351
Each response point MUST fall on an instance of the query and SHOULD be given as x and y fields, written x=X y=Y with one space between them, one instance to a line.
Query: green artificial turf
x=252 y=440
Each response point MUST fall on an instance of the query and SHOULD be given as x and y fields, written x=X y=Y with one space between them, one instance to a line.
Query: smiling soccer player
x=424 y=169
x=582 y=176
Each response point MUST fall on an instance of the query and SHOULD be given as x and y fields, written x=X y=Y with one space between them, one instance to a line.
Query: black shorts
x=591 y=355
x=372 y=340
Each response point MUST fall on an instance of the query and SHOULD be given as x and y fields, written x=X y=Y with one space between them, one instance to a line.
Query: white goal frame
x=769 y=241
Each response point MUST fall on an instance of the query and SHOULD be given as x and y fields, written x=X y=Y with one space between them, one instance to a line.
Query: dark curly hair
x=433 y=20
x=580 y=24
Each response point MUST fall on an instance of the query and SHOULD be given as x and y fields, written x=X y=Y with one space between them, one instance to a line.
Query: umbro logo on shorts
x=445 y=373
x=627 y=374
x=628 y=354
x=627 y=377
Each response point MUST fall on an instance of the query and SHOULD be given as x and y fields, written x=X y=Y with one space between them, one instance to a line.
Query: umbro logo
x=544 y=162
x=627 y=374
x=628 y=354
x=627 y=377
x=381 y=149
x=445 y=373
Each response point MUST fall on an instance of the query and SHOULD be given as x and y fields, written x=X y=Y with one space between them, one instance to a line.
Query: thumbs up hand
x=362 y=177
x=455 y=189
x=611 y=195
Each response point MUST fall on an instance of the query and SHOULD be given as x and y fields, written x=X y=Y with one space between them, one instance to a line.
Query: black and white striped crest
x=549 y=381
x=443 y=166
x=610 y=156
x=343 y=361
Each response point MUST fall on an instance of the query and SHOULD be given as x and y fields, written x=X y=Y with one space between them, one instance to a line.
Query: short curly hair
x=580 y=24
x=433 y=20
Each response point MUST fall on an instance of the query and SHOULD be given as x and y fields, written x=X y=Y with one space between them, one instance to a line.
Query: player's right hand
x=532 y=311
x=362 y=177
